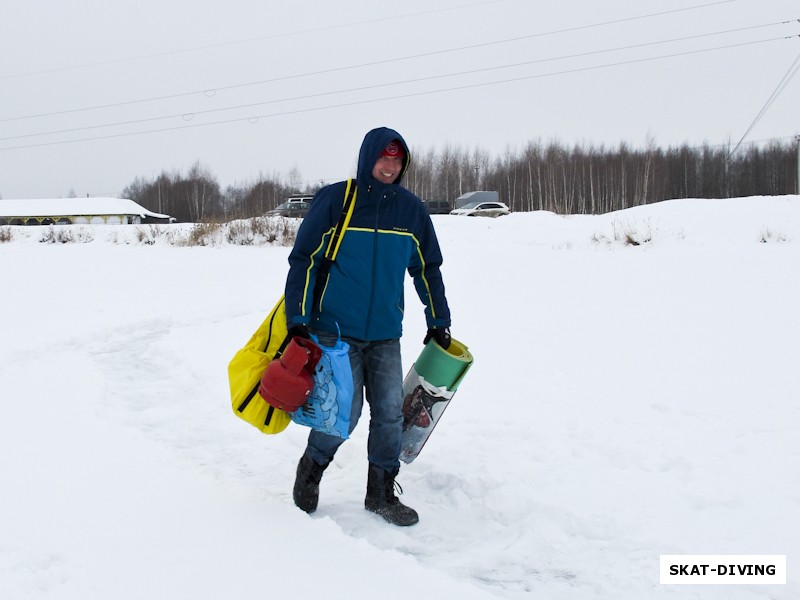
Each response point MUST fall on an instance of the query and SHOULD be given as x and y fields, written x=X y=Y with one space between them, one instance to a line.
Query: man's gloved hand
x=440 y=334
x=299 y=331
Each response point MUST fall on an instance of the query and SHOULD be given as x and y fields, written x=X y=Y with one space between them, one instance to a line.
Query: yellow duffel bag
x=247 y=367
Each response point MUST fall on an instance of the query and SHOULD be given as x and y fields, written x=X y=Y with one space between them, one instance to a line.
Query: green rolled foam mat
x=444 y=368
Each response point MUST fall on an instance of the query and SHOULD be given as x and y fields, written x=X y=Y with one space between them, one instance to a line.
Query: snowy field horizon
x=634 y=394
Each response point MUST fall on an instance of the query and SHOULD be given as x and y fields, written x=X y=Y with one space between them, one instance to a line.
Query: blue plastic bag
x=328 y=408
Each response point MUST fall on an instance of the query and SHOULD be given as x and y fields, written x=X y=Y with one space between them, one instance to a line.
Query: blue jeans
x=377 y=368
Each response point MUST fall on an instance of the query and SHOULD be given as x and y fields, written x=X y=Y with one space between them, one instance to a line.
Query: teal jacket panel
x=390 y=233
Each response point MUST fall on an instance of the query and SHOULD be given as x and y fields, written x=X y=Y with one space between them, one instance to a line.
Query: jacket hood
x=374 y=142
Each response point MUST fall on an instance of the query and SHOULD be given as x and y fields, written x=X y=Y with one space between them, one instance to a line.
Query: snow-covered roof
x=49 y=207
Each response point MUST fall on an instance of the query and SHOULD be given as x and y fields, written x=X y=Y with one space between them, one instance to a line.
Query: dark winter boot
x=306 y=484
x=381 y=499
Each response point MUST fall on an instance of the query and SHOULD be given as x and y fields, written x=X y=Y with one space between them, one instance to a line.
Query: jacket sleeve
x=424 y=268
x=305 y=257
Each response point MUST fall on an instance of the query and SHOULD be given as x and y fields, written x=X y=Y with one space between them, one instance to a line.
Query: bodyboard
x=428 y=389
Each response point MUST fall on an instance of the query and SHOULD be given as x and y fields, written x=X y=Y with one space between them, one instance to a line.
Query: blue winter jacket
x=390 y=232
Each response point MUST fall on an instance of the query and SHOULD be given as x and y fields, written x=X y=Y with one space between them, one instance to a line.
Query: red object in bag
x=288 y=380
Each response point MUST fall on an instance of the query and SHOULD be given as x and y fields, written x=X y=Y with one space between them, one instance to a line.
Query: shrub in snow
x=66 y=235
x=767 y=235
x=627 y=233
x=632 y=234
x=262 y=230
x=258 y=231
x=148 y=235
x=203 y=234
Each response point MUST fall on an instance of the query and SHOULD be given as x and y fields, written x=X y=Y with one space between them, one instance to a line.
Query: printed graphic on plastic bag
x=328 y=408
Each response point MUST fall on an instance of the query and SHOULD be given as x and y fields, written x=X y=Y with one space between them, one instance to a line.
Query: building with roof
x=77 y=211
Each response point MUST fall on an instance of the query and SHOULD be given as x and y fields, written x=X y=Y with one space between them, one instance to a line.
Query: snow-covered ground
x=627 y=401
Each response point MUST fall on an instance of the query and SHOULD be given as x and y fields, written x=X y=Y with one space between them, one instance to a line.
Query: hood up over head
x=374 y=143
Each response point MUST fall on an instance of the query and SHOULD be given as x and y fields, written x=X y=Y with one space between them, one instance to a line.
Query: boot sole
x=382 y=513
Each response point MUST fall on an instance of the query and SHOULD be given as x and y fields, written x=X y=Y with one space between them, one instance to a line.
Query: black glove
x=299 y=331
x=440 y=334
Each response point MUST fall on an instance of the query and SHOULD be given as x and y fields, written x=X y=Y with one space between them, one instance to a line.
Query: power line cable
x=250 y=40
x=189 y=115
x=210 y=91
x=787 y=77
x=255 y=118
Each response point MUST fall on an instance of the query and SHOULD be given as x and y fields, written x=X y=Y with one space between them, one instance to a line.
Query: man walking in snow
x=390 y=232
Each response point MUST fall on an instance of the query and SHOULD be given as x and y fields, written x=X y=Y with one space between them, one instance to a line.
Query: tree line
x=580 y=179
x=197 y=197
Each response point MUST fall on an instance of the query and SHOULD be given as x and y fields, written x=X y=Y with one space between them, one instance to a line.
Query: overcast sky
x=98 y=92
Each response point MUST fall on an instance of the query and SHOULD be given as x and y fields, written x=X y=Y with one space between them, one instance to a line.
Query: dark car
x=438 y=207
x=290 y=208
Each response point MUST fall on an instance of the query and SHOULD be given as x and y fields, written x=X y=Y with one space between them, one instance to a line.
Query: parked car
x=299 y=198
x=290 y=208
x=482 y=209
x=438 y=207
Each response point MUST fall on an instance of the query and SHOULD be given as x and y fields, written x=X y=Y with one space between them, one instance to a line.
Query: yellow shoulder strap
x=344 y=220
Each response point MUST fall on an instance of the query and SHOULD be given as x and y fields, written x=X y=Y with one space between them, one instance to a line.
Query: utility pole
x=797 y=139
